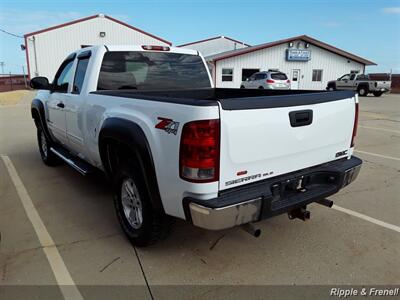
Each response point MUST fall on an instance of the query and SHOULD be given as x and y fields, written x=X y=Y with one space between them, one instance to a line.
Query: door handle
x=301 y=117
x=60 y=105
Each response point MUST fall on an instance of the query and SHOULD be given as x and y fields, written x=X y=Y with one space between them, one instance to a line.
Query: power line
x=12 y=34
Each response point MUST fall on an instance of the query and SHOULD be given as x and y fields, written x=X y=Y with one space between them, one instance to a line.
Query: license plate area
x=298 y=189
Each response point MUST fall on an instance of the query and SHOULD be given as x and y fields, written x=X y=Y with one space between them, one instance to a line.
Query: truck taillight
x=270 y=81
x=157 y=48
x=199 y=151
x=355 y=126
x=288 y=81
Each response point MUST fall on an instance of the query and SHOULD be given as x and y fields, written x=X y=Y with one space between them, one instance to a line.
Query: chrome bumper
x=226 y=211
x=225 y=217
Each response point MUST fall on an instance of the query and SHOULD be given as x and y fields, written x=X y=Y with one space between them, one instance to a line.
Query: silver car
x=272 y=80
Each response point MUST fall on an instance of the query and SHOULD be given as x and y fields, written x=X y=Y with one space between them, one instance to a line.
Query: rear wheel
x=362 y=91
x=242 y=87
x=260 y=87
x=377 y=94
x=142 y=225
x=48 y=157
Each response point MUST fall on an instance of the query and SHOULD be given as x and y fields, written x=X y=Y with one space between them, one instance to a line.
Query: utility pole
x=2 y=67
x=23 y=72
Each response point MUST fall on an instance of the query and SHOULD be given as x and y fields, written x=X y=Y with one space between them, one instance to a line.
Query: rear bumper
x=271 y=197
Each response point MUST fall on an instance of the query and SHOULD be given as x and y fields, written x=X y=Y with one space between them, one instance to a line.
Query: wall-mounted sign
x=298 y=55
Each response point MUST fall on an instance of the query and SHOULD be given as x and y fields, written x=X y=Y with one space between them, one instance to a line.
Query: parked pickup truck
x=174 y=146
x=360 y=83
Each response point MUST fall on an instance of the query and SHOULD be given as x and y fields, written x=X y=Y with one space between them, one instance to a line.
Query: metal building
x=47 y=48
x=309 y=63
x=215 y=45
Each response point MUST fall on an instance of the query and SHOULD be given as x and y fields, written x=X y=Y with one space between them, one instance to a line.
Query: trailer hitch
x=300 y=213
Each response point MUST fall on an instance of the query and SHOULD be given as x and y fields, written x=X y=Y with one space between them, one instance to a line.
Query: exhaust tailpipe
x=325 y=202
x=253 y=230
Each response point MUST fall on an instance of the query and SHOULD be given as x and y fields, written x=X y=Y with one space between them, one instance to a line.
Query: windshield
x=152 y=71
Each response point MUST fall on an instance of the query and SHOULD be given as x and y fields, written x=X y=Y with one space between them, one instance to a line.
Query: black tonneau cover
x=234 y=99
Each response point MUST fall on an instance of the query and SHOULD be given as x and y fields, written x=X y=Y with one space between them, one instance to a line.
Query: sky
x=368 y=28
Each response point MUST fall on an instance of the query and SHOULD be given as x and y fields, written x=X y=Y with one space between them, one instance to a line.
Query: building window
x=227 y=74
x=246 y=73
x=316 y=75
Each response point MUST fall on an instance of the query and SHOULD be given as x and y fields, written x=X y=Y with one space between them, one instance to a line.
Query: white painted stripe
x=378 y=155
x=63 y=277
x=367 y=218
x=382 y=129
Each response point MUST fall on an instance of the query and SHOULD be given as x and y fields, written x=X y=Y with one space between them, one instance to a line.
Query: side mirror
x=338 y=79
x=40 y=83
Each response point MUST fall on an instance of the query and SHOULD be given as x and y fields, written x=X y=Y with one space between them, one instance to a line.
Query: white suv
x=272 y=80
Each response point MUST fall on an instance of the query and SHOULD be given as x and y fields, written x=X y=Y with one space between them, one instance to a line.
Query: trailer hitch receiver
x=300 y=213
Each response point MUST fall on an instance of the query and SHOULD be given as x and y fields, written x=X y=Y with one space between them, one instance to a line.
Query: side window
x=63 y=77
x=80 y=75
x=352 y=76
x=345 y=77
x=227 y=74
x=260 y=76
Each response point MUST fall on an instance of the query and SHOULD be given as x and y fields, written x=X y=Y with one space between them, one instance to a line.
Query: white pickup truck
x=174 y=146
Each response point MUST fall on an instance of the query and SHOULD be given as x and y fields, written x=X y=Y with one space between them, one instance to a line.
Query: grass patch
x=12 y=97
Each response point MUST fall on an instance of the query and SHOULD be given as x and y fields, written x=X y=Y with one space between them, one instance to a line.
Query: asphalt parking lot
x=336 y=247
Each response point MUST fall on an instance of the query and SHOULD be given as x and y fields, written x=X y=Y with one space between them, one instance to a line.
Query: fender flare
x=131 y=134
x=39 y=115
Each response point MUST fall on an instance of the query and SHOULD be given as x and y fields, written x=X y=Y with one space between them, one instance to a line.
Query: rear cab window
x=140 y=70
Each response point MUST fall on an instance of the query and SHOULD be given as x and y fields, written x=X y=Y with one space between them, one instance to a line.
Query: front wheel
x=377 y=94
x=242 y=87
x=48 y=157
x=142 y=225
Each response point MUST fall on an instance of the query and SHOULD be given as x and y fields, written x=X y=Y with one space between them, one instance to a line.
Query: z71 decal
x=168 y=125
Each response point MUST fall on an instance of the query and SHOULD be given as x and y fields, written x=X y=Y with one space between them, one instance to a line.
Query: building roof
x=305 y=38
x=214 y=38
x=92 y=17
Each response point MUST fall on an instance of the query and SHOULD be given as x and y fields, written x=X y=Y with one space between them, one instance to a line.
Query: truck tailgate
x=263 y=137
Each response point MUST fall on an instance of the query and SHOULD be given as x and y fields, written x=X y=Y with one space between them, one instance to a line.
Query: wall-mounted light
x=102 y=34
x=307 y=45
x=291 y=44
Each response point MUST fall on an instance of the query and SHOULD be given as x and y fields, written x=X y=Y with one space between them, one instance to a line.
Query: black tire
x=242 y=87
x=154 y=225
x=260 y=87
x=377 y=94
x=331 y=87
x=362 y=91
x=48 y=157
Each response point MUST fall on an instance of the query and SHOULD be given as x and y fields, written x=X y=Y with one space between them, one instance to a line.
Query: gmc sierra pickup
x=174 y=146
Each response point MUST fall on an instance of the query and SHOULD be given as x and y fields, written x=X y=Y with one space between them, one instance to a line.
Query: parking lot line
x=381 y=129
x=378 y=155
x=367 y=218
x=60 y=271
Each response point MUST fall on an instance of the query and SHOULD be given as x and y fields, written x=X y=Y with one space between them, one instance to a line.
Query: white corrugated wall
x=53 y=46
x=333 y=65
